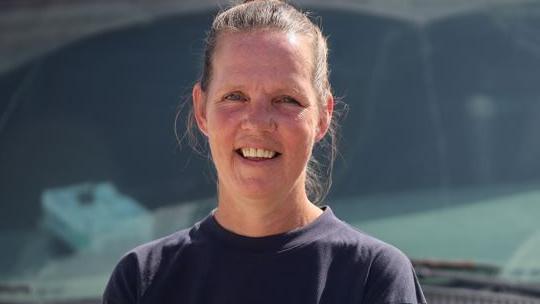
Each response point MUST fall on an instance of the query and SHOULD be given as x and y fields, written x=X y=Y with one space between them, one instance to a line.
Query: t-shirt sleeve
x=123 y=284
x=392 y=280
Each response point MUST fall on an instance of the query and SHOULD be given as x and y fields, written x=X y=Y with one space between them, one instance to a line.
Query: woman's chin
x=255 y=188
x=259 y=188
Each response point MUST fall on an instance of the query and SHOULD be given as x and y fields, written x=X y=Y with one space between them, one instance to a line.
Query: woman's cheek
x=307 y=121
x=220 y=118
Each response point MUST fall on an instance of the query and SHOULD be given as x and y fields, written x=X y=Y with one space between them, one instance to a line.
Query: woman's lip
x=256 y=159
x=242 y=152
x=256 y=147
x=257 y=143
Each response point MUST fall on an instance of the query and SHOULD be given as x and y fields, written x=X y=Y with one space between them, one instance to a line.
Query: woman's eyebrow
x=285 y=89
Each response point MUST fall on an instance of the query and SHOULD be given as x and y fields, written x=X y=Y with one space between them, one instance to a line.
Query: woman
x=263 y=102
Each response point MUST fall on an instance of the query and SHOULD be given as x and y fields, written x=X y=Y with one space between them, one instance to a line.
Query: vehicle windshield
x=439 y=151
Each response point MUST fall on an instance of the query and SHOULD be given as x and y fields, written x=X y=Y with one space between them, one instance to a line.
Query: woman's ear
x=325 y=118
x=199 y=107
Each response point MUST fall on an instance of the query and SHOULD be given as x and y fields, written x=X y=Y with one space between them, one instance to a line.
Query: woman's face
x=261 y=113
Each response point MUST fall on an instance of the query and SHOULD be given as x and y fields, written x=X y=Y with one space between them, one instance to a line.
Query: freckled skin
x=261 y=96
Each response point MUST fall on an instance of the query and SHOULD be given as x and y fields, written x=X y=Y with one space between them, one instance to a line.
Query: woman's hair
x=278 y=15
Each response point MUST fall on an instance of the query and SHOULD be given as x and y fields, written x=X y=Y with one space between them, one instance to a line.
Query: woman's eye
x=289 y=100
x=235 y=97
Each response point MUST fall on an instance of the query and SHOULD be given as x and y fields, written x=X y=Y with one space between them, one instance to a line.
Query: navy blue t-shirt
x=326 y=261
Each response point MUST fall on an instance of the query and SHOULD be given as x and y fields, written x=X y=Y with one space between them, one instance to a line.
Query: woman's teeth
x=257 y=153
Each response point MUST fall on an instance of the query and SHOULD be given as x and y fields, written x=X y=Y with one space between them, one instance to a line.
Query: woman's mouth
x=256 y=153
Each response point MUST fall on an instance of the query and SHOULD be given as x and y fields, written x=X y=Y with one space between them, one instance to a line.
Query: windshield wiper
x=467 y=266
x=470 y=275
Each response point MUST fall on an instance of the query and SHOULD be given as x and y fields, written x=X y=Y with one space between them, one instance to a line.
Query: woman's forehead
x=263 y=54
x=268 y=46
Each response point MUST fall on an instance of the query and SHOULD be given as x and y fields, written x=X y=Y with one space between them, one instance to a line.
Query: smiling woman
x=263 y=102
x=261 y=99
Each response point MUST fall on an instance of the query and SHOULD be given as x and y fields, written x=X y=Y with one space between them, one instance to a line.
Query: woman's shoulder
x=390 y=276
x=137 y=268
x=363 y=250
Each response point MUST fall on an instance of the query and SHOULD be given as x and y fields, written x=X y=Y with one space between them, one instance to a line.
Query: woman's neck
x=258 y=218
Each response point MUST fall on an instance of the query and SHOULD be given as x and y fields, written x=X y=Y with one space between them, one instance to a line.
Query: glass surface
x=439 y=149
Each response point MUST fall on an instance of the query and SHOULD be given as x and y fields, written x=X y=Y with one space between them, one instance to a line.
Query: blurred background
x=439 y=149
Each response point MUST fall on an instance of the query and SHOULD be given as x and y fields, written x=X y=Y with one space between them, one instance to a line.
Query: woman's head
x=250 y=25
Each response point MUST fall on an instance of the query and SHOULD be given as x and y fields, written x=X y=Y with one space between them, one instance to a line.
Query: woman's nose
x=259 y=117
